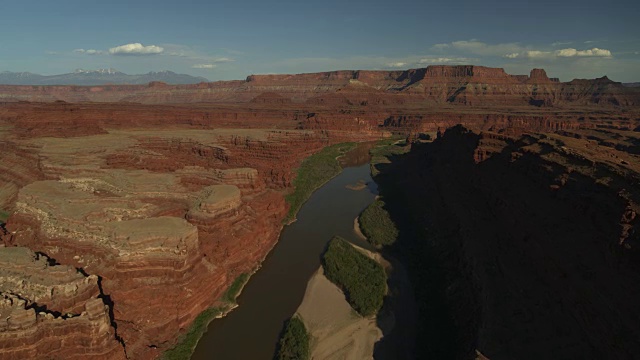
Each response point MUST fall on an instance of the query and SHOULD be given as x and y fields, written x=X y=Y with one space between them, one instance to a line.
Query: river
x=274 y=292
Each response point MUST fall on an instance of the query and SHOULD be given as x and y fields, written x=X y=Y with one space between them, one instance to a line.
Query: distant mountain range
x=635 y=84
x=96 y=77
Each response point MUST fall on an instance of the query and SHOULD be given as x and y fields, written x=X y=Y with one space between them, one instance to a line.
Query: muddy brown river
x=272 y=295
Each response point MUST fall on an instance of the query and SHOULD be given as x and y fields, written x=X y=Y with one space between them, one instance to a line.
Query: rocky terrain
x=52 y=308
x=531 y=239
x=165 y=220
x=134 y=207
x=464 y=84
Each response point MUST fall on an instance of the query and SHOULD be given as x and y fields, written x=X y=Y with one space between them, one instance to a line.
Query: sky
x=230 y=39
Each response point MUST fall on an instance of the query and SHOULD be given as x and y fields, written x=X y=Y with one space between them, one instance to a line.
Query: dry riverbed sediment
x=337 y=331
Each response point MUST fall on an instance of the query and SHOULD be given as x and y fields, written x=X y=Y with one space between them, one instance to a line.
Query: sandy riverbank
x=356 y=228
x=337 y=331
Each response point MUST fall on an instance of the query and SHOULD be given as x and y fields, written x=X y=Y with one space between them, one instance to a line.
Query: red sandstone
x=214 y=161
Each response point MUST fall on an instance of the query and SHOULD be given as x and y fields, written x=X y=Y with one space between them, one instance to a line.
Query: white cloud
x=445 y=60
x=480 y=48
x=136 y=49
x=398 y=64
x=222 y=60
x=560 y=43
x=204 y=66
x=569 y=52
x=515 y=50
x=440 y=46
x=563 y=53
x=537 y=54
x=88 y=52
x=194 y=56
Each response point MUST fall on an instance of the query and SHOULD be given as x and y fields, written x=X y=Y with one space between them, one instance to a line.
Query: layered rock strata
x=166 y=219
x=461 y=84
x=52 y=311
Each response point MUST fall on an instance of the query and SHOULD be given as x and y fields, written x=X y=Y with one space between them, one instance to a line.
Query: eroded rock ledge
x=51 y=311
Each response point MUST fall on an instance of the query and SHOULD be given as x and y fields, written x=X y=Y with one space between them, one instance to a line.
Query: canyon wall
x=153 y=199
x=461 y=84
x=529 y=243
x=162 y=221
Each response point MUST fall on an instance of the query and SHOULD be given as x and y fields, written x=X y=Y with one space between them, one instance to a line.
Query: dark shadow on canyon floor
x=513 y=247
x=436 y=336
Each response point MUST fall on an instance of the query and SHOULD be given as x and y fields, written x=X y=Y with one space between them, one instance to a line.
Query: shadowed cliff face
x=527 y=244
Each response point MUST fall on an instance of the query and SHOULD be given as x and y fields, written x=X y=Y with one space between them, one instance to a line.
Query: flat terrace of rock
x=127 y=219
x=96 y=156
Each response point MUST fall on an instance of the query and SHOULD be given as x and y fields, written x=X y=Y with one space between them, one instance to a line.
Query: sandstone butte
x=134 y=207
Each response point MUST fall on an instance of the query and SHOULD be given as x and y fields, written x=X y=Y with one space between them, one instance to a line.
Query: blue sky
x=232 y=39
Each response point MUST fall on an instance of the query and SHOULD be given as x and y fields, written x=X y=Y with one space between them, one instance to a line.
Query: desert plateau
x=132 y=209
x=251 y=180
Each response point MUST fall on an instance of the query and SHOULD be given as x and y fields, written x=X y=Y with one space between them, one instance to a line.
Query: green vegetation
x=188 y=341
x=294 y=342
x=313 y=172
x=362 y=279
x=234 y=290
x=4 y=216
x=385 y=149
x=377 y=226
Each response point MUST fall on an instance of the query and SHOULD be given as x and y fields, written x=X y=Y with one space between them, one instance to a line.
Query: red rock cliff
x=461 y=84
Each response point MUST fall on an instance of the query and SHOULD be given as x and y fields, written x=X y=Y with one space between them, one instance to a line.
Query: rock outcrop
x=52 y=311
x=538 y=76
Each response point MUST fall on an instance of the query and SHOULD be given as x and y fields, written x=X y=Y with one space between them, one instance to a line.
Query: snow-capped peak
x=108 y=71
